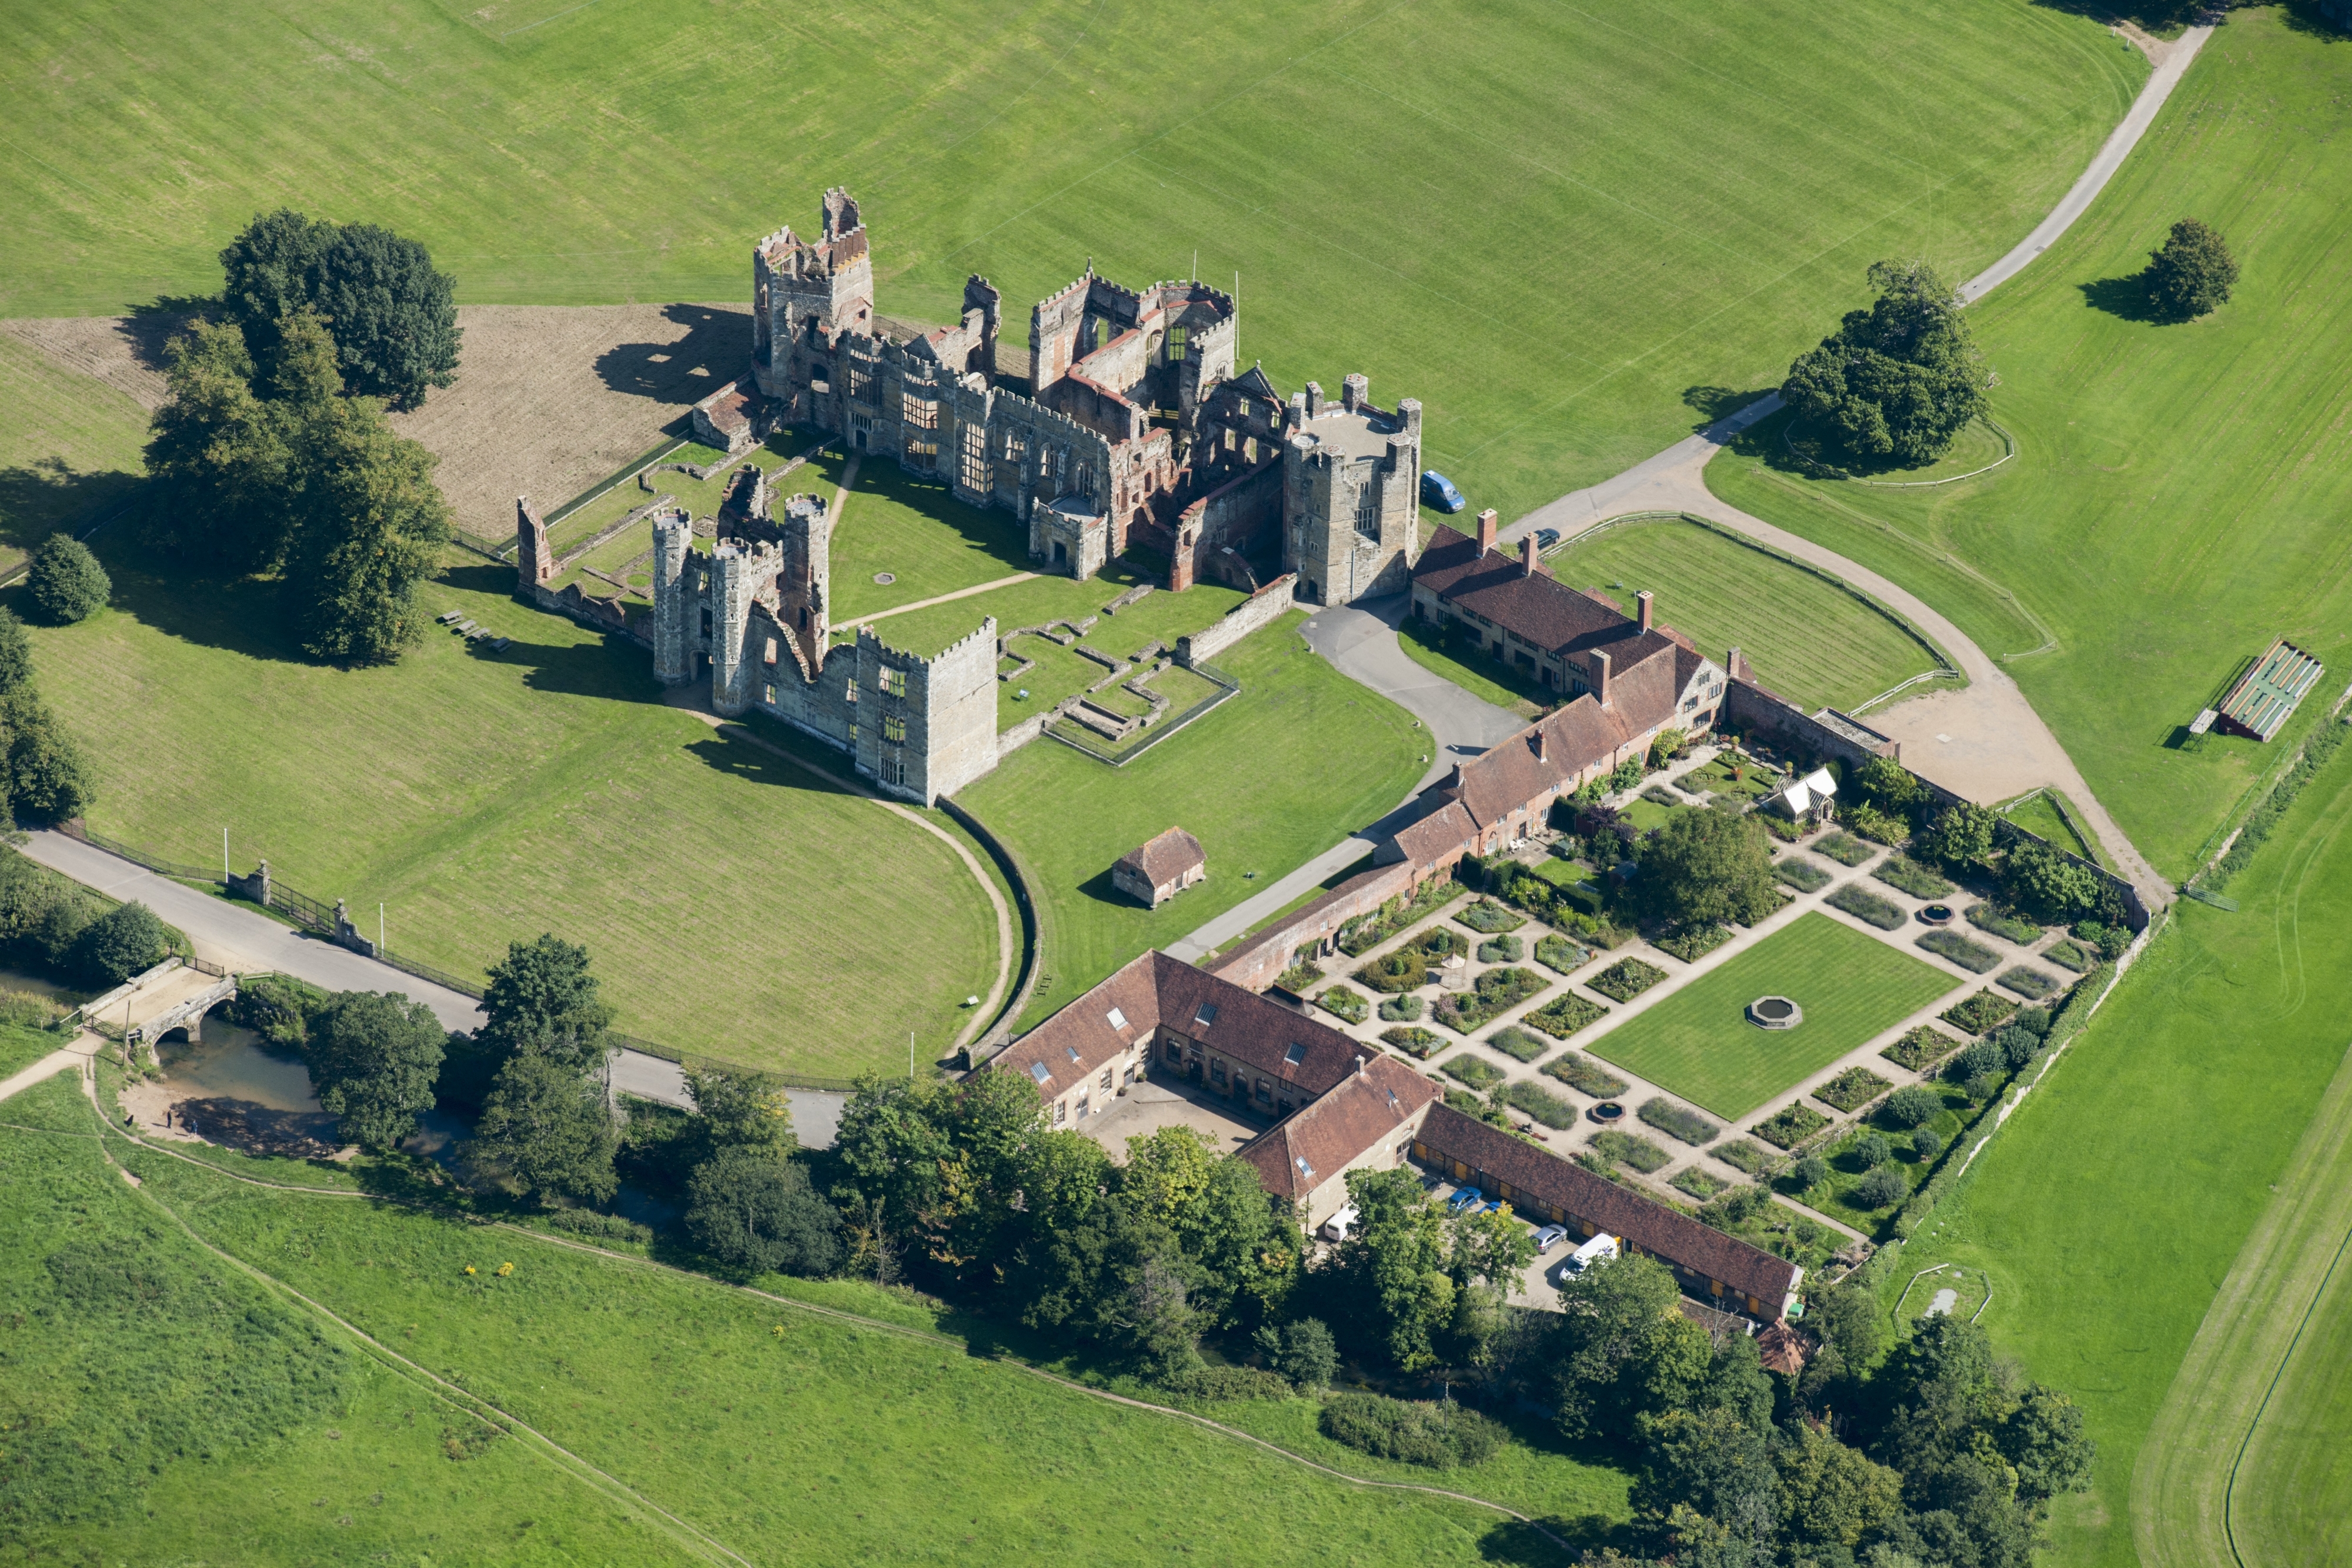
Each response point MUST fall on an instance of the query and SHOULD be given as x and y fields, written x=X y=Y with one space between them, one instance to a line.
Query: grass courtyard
x=732 y=903
x=2161 y=465
x=782 y=1434
x=551 y=153
x=1700 y=1044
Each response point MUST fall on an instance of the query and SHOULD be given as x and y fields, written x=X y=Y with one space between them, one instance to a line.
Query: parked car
x=1463 y=1198
x=1336 y=1227
x=1438 y=491
x=1550 y=1236
x=1600 y=1249
x=1547 y=538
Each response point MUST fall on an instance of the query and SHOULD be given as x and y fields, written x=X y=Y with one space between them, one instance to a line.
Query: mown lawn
x=1570 y=274
x=2179 y=495
x=733 y=904
x=1700 y=1044
x=788 y=1435
x=1480 y=674
x=1299 y=760
x=1810 y=640
x=69 y=449
x=2114 y=1204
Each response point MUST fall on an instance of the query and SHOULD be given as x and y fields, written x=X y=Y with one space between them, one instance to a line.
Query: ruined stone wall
x=675 y=604
x=951 y=706
x=1263 y=608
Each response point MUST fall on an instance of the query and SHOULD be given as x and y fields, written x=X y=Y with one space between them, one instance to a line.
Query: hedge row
x=2322 y=745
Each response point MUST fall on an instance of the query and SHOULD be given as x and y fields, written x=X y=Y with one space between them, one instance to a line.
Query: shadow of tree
x=716 y=348
x=1714 y=402
x=2157 y=17
x=49 y=495
x=2124 y=297
x=2303 y=16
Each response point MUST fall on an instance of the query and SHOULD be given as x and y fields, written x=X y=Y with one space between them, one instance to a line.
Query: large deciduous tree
x=1391 y=1273
x=2192 y=274
x=548 y=1125
x=1897 y=380
x=374 y=1058
x=752 y=1209
x=120 y=943
x=66 y=583
x=394 y=314
x=1708 y=867
x=541 y=1000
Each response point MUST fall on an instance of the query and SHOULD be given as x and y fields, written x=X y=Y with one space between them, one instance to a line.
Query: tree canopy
x=754 y=1209
x=374 y=1058
x=1896 y=381
x=394 y=315
x=2192 y=273
x=542 y=1001
x=65 y=582
x=548 y=1126
x=125 y=940
x=1708 y=867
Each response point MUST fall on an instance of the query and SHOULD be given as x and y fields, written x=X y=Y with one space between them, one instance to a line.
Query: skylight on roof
x=1117 y=1018
x=1296 y=1054
x=1304 y=1168
x=1207 y=1015
x=1073 y=1051
x=1037 y=1071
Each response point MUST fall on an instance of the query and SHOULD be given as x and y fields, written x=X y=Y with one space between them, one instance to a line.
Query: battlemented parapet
x=1351 y=493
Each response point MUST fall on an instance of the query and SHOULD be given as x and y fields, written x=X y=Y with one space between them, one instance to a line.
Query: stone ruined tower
x=534 y=562
x=1351 y=493
x=674 y=614
x=804 y=295
x=738 y=567
x=803 y=576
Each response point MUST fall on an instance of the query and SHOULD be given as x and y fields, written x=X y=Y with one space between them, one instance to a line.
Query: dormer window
x=1117 y=1018
x=1294 y=1055
x=1207 y=1014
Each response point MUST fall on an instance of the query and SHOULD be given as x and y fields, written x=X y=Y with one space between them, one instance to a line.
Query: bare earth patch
x=548 y=400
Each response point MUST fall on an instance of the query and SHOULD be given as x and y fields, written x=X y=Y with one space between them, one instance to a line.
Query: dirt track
x=548 y=400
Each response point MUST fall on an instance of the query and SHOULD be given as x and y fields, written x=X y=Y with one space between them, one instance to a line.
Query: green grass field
x=1480 y=674
x=1700 y=1044
x=2039 y=814
x=784 y=1435
x=69 y=449
x=1570 y=274
x=1810 y=640
x=1300 y=760
x=2121 y=1197
x=733 y=904
x=2177 y=497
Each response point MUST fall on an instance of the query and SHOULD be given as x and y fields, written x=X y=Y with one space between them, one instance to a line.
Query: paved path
x=85 y=1046
x=942 y=598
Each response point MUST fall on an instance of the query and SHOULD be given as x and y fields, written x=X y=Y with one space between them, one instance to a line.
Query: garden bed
x=1413 y=1042
x=1474 y=1070
x=1406 y=1008
x=1298 y=976
x=1693 y=944
x=2069 y=953
x=1800 y=873
x=2000 y=923
x=1489 y=918
x=1853 y=1089
x=1754 y=1158
x=1341 y=1002
x=1921 y=1048
x=1626 y=980
x=1494 y=993
x=1864 y=904
x=1698 y=1182
x=1559 y=954
x=1679 y=1121
x=1844 y=849
x=1907 y=875
x=1361 y=936
x=2031 y=984
x=1538 y=1103
x=1976 y=1014
x=1502 y=950
x=1517 y=1044
x=1791 y=1125
x=1973 y=957
x=1625 y=1149
x=1565 y=1014
x=1582 y=1074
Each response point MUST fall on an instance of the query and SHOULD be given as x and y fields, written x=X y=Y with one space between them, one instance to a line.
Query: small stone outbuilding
x=1160 y=869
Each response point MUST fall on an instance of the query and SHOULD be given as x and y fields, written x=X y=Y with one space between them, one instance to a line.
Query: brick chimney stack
x=1599 y=677
x=1527 y=568
x=1354 y=393
x=1540 y=743
x=1487 y=522
x=1643 y=599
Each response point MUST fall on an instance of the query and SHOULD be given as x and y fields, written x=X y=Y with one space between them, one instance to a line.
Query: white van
x=1335 y=1228
x=1603 y=1246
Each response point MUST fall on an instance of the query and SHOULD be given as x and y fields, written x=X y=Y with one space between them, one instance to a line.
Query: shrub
x=1581 y=1073
x=1559 y=954
x=1298 y=976
x=1926 y=1142
x=1489 y=918
x=2322 y=745
x=278 y=1008
x=1865 y=904
x=1800 y=873
x=1876 y=825
x=1696 y=943
x=1782 y=828
x=1565 y=1014
x=1698 y=1182
x=1976 y=1014
x=1439 y=1437
x=1339 y=1001
x=2109 y=941
x=1494 y=992
x=1736 y=1208
x=1474 y=1070
x=1538 y=1103
x=2043 y=881
x=1911 y=877
x=1625 y=1149
x=2069 y=954
x=1477 y=1107
x=755 y=1211
x=1982 y=1056
x=1303 y=1351
x=604 y=1227
x=1923 y=1046
x=1401 y=1009
x=1213 y=1385
x=1974 y=956
x=1517 y=1044
x=1754 y=1158
x=1679 y=1121
x=1359 y=936
x=1913 y=1104
x=1982 y=1087
x=1809 y=1172
x=66 y=583
x=122 y=942
x=1856 y=1086
x=1845 y=849
x=2017 y=1045
x=1791 y=1125
x=1872 y=1149
x=2005 y=924
x=1502 y=950
x=1404 y=969
x=1626 y=980
x=1415 y=1042
x=1880 y=1186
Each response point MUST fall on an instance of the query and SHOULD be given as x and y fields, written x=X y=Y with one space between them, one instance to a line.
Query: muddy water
x=231 y=1065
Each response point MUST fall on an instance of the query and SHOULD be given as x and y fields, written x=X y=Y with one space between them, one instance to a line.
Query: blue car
x=1465 y=1198
x=1438 y=491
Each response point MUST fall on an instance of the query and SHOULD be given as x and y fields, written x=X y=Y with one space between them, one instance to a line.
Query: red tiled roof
x=1166 y=857
x=1542 y=609
x=1302 y=1152
x=1618 y=1211
x=1436 y=835
x=1783 y=1349
x=1574 y=737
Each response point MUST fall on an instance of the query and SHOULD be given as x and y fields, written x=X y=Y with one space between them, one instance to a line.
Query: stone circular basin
x=1775 y=1012
x=1608 y=1110
x=1937 y=914
x=886 y=578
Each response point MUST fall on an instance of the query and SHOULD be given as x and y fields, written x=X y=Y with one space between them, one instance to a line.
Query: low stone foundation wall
x=1265 y=606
